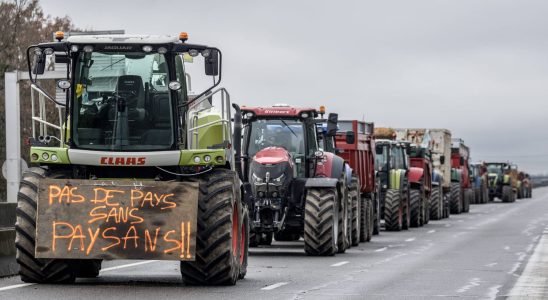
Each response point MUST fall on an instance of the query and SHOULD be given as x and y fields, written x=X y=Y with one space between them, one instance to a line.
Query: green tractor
x=136 y=167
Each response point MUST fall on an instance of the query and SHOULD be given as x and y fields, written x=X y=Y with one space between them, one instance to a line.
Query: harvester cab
x=392 y=163
x=288 y=179
x=136 y=167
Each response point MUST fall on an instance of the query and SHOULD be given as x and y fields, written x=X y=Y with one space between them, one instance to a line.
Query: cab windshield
x=381 y=158
x=287 y=134
x=122 y=102
x=494 y=168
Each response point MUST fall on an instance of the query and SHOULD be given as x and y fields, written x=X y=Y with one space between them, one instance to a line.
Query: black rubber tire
x=370 y=219
x=245 y=236
x=282 y=236
x=393 y=210
x=468 y=195
x=36 y=270
x=321 y=221
x=406 y=211
x=456 y=198
x=217 y=261
x=436 y=204
x=343 y=240
x=426 y=209
x=356 y=201
x=415 y=208
x=507 y=194
x=363 y=219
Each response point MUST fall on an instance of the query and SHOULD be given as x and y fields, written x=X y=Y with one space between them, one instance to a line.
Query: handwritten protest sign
x=116 y=219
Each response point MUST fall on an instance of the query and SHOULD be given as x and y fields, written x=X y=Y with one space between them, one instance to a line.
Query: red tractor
x=293 y=188
x=462 y=193
x=360 y=155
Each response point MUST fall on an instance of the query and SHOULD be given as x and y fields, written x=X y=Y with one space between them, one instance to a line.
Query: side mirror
x=350 y=137
x=332 y=120
x=39 y=63
x=211 y=63
x=408 y=150
x=442 y=159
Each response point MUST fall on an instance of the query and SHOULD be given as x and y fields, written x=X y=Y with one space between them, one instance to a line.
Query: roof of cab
x=123 y=39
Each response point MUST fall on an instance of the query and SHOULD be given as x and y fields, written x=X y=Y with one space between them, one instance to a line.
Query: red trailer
x=462 y=193
x=360 y=155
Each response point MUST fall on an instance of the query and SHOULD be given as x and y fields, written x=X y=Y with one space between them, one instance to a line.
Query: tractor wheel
x=415 y=207
x=244 y=244
x=370 y=219
x=282 y=236
x=456 y=198
x=321 y=221
x=468 y=195
x=345 y=219
x=364 y=222
x=507 y=193
x=426 y=210
x=218 y=239
x=436 y=205
x=356 y=201
x=393 y=210
x=32 y=269
x=376 y=204
x=406 y=212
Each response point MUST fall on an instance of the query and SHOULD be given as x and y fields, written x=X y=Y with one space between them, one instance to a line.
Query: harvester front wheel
x=32 y=269
x=219 y=249
x=393 y=210
x=321 y=221
x=456 y=198
x=507 y=194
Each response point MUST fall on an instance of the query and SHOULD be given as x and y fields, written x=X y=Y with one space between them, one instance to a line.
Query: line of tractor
x=128 y=161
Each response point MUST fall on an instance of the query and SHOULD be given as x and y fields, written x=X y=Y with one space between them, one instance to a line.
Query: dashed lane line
x=274 y=286
x=339 y=264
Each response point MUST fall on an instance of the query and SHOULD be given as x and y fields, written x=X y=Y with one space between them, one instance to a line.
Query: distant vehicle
x=500 y=181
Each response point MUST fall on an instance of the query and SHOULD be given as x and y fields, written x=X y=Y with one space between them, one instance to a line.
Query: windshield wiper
x=289 y=128
x=113 y=64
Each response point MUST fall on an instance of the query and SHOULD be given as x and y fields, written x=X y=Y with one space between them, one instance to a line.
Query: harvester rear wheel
x=436 y=204
x=321 y=221
x=218 y=245
x=393 y=210
x=456 y=198
x=415 y=207
x=357 y=202
x=32 y=269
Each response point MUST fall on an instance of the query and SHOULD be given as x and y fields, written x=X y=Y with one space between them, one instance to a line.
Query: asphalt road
x=480 y=255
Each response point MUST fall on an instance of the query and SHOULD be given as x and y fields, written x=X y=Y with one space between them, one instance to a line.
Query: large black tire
x=507 y=194
x=415 y=207
x=376 y=202
x=218 y=251
x=406 y=211
x=370 y=218
x=32 y=269
x=321 y=221
x=426 y=208
x=436 y=204
x=356 y=201
x=363 y=219
x=244 y=243
x=468 y=194
x=345 y=218
x=456 y=198
x=393 y=210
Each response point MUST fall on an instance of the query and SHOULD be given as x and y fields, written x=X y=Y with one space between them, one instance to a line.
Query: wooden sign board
x=95 y=219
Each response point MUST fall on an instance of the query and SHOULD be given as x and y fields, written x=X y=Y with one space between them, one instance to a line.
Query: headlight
x=279 y=179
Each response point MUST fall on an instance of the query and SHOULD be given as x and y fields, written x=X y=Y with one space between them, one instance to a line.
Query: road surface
x=497 y=251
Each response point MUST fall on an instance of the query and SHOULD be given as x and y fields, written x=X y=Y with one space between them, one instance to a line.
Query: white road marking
x=274 y=286
x=493 y=292
x=410 y=239
x=339 y=264
x=431 y=231
x=515 y=267
x=128 y=265
x=533 y=279
x=472 y=283
x=507 y=248
x=381 y=249
x=16 y=286
x=491 y=265
x=447 y=225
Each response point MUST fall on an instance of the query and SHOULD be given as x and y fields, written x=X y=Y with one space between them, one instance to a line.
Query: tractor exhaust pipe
x=237 y=143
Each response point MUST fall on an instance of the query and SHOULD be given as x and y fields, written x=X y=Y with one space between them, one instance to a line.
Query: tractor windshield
x=287 y=134
x=494 y=168
x=122 y=102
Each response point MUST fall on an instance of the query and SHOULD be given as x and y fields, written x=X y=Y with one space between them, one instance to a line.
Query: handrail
x=41 y=118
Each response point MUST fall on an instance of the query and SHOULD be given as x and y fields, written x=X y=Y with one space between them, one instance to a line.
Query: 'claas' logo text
x=123 y=161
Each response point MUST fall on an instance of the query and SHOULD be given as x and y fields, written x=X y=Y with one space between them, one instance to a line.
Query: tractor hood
x=271 y=172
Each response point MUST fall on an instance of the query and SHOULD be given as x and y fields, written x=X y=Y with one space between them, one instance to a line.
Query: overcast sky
x=476 y=67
